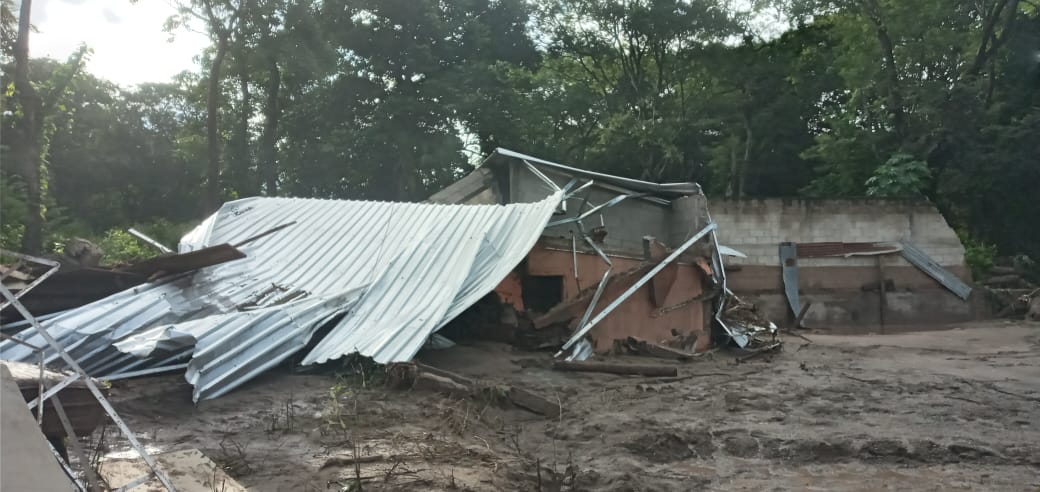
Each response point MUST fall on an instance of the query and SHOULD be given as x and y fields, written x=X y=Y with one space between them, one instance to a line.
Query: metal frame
x=42 y=261
x=53 y=344
x=583 y=350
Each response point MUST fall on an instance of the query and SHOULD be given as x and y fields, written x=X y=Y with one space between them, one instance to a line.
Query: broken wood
x=534 y=402
x=615 y=368
x=645 y=347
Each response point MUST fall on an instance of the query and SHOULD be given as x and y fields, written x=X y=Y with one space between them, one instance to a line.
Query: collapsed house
x=606 y=236
x=591 y=257
x=378 y=278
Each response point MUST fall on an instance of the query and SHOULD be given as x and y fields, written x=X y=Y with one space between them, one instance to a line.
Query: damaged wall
x=844 y=291
x=639 y=315
x=625 y=223
x=548 y=278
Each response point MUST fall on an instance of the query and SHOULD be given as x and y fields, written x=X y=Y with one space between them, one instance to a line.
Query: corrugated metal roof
x=402 y=269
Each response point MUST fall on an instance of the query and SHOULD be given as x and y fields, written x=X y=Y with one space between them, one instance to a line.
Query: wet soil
x=936 y=410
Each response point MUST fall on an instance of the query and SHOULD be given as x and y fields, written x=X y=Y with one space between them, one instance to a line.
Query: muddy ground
x=936 y=410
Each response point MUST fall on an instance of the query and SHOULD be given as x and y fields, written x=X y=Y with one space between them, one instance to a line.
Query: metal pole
x=140 y=235
x=543 y=177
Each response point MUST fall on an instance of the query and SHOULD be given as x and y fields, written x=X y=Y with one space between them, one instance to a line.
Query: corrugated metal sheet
x=403 y=270
x=926 y=264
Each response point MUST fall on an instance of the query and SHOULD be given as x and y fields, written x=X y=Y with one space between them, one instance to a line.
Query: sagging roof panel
x=402 y=270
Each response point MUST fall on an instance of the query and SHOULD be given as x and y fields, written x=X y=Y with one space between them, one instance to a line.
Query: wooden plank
x=534 y=402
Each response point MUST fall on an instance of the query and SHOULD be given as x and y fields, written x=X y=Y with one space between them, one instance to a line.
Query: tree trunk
x=27 y=148
x=214 y=189
x=244 y=179
x=895 y=94
x=269 y=151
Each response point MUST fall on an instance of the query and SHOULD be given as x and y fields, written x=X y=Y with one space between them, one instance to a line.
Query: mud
x=936 y=410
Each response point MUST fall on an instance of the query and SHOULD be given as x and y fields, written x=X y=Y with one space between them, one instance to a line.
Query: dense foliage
x=393 y=99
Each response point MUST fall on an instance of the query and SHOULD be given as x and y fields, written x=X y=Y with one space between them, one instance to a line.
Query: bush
x=121 y=247
x=978 y=255
x=901 y=176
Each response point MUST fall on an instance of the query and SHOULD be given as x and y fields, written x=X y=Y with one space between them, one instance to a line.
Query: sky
x=128 y=42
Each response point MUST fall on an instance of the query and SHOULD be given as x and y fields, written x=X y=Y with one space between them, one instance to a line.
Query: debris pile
x=743 y=318
x=380 y=277
x=1009 y=290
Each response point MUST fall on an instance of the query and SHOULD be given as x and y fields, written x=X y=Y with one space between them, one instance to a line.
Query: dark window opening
x=541 y=293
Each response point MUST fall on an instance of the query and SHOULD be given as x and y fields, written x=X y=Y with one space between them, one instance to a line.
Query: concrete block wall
x=843 y=290
x=756 y=227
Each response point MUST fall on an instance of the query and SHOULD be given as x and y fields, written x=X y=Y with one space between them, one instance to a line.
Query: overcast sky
x=129 y=44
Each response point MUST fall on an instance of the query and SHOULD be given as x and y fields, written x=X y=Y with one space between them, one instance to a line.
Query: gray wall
x=843 y=290
x=626 y=223
x=756 y=227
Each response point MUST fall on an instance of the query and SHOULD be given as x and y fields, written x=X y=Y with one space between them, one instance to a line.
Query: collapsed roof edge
x=664 y=190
